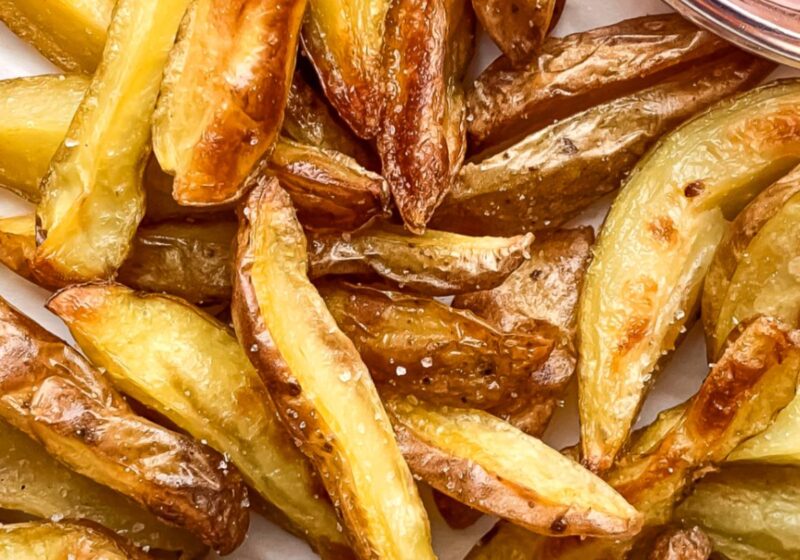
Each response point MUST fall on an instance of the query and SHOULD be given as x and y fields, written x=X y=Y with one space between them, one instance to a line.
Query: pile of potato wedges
x=310 y=267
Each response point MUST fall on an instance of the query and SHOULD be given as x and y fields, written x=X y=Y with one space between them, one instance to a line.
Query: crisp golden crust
x=519 y=27
x=548 y=177
x=435 y=263
x=223 y=95
x=573 y=73
x=56 y=541
x=321 y=388
x=54 y=395
x=330 y=190
x=491 y=466
x=419 y=346
x=658 y=241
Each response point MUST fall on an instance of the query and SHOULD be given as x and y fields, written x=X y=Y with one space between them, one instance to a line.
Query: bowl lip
x=738 y=22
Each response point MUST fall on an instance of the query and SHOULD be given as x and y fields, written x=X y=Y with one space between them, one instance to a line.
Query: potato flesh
x=196 y=374
x=57 y=541
x=750 y=512
x=436 y=263
x=69 y=33
x=33 y=482
x=321 y=388
x=223 y=96
x=54 y=395
x=518 y=28
x=540 y=489
x=656 y=246
x=423 y=347
x=548 y=177
x=92 y=197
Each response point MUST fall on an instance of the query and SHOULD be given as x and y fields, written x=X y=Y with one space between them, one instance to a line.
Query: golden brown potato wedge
x=681 y=544
x=54 y=395
x=571 y=74
x=59 y=541
x=17 y=245
x=657 y=243
x=492 y=466
x=310 y=120
x=33 y=482
x=750 y=512
x=185 y=365
x=92 y=197
x=223 y=96
x=753 y=271
x=412 y=141
x=329 y=189
x=540 y=296
x=436 y=263
x=419 y=346
x=345 y=41
x=70 y=33
x=554 y=173
x=322 y=390
x=459 y=50
x=519 y=27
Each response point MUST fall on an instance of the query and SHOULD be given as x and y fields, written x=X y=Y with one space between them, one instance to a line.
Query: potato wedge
x=344 y=41
x=550 y=176
x=329 y=189
x=540 y=296
x=518 y=28
x=753 y=272
x=69 y=33
x=17 y=245
x=202 y=381
x=321 y=388
x=436 y=263
x=92 y=197
x=419 y=346
x=681 y=544
x=749 y=512
x=460 y=48
x=223 y=96
x=572 y=73
x=33 y=482
x=54 y=395
x=57 y=541
x=492 y=466
x=657 y=243
x=310 y=120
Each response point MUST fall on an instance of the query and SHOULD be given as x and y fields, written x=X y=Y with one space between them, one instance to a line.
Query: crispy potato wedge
x=329 y=189
x=749 y=512
x=33 y=482
x=202 y=381
x=57 y=541
x=572 y=73
x=17 y=245
x=223 y=96
x=657 y=243
x=419 y=346
x=540 y=296
x=310 y=120
x=681 y=544
x=344 y=41
x=92 y=197
x=436 y=263
x=69 y=33
x=492 y=466
x=54 y=395
x=322 y=390
x=518 y=27
x=460 y=48
x=753 y=272
x=551 y=175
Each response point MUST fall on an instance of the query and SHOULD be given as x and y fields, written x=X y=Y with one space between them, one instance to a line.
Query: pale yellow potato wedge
x=59 y=541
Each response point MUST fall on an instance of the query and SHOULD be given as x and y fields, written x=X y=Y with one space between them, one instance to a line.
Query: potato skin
x=681 y=544
x=519 y=27
x=57 y=541
x=573 y=73
x=435 y=263
x=419 y=346
x=55 y=396
x=327 y=377
x=554 y=173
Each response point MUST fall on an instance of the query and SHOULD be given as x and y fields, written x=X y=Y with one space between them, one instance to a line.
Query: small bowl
x=770 y=28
